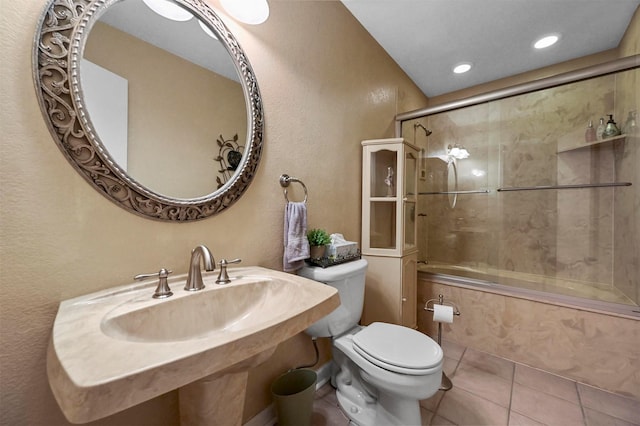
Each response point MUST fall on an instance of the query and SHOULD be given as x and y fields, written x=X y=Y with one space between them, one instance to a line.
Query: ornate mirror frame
x=60 y=38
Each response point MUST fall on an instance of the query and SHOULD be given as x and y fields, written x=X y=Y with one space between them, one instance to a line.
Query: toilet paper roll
x=442 y=313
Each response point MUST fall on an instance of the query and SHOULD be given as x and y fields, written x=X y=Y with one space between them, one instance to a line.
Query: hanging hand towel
x=296 y=245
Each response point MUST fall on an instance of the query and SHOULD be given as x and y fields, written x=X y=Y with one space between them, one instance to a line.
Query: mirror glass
x=160 y=120
x=182 y=92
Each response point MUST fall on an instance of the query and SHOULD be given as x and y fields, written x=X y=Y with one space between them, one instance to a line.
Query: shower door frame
x=610 y=67
x=623 y=64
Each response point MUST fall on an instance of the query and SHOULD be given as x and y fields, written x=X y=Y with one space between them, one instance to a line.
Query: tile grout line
x=584 y=415
x=513 y=380
x=555 y=397
x=597 y=410
x=435 y=411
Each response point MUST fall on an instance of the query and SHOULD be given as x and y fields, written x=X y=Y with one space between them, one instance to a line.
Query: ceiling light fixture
x=458 y=152
x=168 y=9
x=546 y=41
x=251 y=12
x=462 y=68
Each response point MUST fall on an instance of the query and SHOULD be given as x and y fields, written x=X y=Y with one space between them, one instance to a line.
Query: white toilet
x=382 y=370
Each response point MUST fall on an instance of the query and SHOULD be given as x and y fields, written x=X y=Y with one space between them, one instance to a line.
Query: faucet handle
x=223 y=276
x=159 y=274
x=162 y=290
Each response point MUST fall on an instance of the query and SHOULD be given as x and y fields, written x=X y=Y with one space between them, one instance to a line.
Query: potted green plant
x=318 y=240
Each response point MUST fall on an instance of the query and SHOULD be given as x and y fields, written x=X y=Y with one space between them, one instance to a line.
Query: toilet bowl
x=381 y=371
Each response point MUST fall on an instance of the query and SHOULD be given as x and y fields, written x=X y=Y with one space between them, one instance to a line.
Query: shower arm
x=427 y=132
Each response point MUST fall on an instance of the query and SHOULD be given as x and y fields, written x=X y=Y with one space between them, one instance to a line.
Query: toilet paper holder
x=441 y=301
x=445 y=383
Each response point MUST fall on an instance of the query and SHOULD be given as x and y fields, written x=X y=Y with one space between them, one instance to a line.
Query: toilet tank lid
x=333 y=273
x=397 y=346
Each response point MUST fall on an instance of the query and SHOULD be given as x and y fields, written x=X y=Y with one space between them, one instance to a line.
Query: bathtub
x=581 y=294
x=592 y=342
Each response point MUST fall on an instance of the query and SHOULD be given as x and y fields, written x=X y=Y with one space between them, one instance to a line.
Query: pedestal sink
x=116 y=348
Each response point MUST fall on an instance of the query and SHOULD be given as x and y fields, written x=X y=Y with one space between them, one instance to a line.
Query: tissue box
x=340 y=247
x=348 y=248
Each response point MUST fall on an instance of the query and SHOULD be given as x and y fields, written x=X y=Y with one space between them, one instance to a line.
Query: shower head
x=426 y=131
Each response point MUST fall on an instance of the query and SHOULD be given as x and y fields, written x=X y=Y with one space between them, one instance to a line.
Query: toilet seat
x=398 y=349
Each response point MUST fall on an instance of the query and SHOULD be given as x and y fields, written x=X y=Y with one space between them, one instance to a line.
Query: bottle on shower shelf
x=590 y=133
x=631 y=125
x=600 y=129
x=611 y=129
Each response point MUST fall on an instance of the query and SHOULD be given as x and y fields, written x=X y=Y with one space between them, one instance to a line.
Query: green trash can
x=293 y=395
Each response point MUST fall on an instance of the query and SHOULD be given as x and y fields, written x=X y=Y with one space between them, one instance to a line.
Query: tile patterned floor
x=488 y=390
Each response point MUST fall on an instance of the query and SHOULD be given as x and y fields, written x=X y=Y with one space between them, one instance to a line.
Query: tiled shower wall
x=585 y=236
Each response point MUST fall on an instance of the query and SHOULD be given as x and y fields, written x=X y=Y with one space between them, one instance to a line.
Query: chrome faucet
x=194 y=279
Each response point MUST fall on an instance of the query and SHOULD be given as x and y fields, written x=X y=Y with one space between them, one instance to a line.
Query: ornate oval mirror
x=163 y=117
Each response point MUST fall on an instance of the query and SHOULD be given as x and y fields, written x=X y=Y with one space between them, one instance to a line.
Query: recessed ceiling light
x=169 y=10
x=462 y=68
x=546 y=41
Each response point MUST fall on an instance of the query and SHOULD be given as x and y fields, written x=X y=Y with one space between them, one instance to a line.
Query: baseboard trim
x=266 y=417
x=324 y=374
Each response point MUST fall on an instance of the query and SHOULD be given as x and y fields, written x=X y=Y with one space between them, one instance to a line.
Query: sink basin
x=198 y=315
x=119 y=347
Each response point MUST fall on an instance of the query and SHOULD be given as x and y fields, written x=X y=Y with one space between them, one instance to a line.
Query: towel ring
x=285 y=180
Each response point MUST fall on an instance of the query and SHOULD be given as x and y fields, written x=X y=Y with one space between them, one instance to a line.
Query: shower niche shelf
x=620 y=138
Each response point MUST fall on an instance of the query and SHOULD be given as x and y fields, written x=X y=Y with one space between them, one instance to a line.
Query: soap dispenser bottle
x=611 y=129
x=590 y=133
x=600 y=129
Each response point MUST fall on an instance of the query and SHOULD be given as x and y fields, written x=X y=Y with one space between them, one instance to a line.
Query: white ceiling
x=428 y=37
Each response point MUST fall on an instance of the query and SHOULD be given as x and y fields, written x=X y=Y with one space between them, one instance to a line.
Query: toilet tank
x=348 y=279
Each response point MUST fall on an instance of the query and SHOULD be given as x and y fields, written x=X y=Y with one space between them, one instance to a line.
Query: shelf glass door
x=410 y=200
x=410 y=170
x=382 y=232
x=383 y=173
x=409 y=225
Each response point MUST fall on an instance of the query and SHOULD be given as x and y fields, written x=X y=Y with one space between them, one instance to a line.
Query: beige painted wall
x=326 y=86
x=630 y=43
